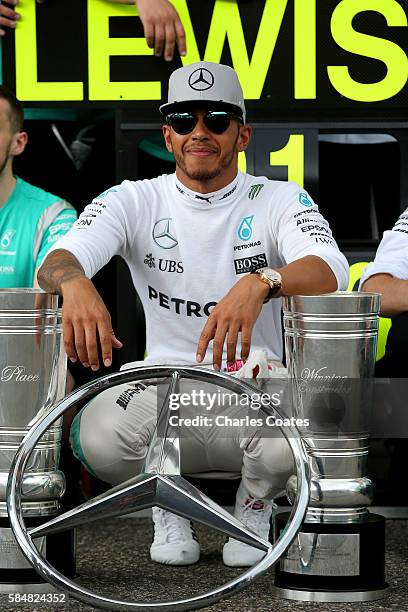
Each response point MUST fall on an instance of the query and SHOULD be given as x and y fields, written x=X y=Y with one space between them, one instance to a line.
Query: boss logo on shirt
x=247 y=264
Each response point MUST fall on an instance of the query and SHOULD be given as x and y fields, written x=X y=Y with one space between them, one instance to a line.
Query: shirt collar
x=222 y=195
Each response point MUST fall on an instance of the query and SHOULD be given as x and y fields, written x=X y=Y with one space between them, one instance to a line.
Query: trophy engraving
x=17 y=373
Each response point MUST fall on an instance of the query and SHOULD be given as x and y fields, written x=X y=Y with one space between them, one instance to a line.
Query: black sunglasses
x=216 y=121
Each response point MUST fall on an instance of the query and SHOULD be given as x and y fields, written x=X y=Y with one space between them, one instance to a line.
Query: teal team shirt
x=31 y=221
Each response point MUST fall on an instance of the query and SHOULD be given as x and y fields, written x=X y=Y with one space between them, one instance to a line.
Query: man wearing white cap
x=210 y=250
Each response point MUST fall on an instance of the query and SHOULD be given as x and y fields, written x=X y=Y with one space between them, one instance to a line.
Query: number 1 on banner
x=242 y=165
x=293 y=156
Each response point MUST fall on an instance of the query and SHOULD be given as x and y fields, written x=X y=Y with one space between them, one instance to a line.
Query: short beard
x=206 y=175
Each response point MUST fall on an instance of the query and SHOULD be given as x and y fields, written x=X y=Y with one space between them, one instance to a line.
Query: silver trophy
x=32 y=379
x=160 y=484
x=339 y=553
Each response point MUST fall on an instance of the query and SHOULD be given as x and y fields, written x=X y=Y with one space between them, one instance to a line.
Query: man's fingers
x=92 y=345
x=115 y=342
x=69 y=342
x=218 y=345
x=181 y=37
x=80 y=344
x=246 y=334
x=9 y=23
x=10 y=13
x=158 y=39
x=149 y=33
x=206 y=336
x=106 y=336
x=170 y=42
x=232 y=343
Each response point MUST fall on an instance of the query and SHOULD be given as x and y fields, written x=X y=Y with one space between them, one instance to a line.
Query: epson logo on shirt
x=247 y=264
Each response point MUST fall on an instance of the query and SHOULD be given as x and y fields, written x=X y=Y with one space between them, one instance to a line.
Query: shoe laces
x=177 y=528
x=256 y=513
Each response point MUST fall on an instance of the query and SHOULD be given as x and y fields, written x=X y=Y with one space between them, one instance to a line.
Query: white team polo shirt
x=186 y=250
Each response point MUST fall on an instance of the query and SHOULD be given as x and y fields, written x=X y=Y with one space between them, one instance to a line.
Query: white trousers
x=112 y=433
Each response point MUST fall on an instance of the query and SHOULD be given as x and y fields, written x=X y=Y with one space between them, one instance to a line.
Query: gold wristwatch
x=272 y=278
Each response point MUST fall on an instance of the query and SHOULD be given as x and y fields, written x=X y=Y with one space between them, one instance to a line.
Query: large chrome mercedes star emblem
x=160 y=485
x=163 y=233
x=201 y=79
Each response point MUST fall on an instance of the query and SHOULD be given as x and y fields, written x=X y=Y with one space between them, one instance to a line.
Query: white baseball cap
x=204 y=82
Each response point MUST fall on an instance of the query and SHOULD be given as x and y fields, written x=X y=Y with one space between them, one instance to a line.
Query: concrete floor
x=113 y=559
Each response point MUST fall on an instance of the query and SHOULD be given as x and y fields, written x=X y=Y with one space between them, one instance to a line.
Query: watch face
x=272 y=274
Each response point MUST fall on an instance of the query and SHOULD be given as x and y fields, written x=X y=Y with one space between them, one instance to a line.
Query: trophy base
x=16 y=573
x=331 y=596
x=334 y=561
x=34 y=587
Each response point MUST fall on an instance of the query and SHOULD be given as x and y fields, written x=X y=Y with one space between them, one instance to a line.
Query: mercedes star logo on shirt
x=163 y=233
x=201 y=79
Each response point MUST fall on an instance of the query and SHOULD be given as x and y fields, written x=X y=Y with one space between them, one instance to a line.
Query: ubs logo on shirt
x=165 y=265
x=7 y=239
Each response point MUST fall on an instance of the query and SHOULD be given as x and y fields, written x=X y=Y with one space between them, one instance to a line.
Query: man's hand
x=85 y=321
x=235 y=313
x=162 y=26
x=8 y=16
x=85 y=318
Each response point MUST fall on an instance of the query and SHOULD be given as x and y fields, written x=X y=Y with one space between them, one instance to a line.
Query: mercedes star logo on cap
x=201 y=79
x=163 y=233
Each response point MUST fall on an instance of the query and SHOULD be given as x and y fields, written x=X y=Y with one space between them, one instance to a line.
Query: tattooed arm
x=59 y=267
x=84 y=315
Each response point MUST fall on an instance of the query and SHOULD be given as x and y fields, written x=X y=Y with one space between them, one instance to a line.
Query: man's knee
x=267 y=465
x=110 y=442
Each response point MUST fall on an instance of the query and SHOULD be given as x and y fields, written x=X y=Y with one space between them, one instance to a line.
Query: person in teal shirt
x=31 y=219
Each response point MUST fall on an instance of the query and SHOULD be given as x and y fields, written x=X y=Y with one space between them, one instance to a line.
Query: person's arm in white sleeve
x=313 y=264
x=104 y=229
x=388 y=273
x=306 y=245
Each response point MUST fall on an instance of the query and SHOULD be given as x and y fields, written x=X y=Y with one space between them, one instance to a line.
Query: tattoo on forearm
x=59 y=267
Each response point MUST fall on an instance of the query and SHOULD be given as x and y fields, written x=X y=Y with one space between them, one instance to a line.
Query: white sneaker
x=255 y=514
x=175 y=541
